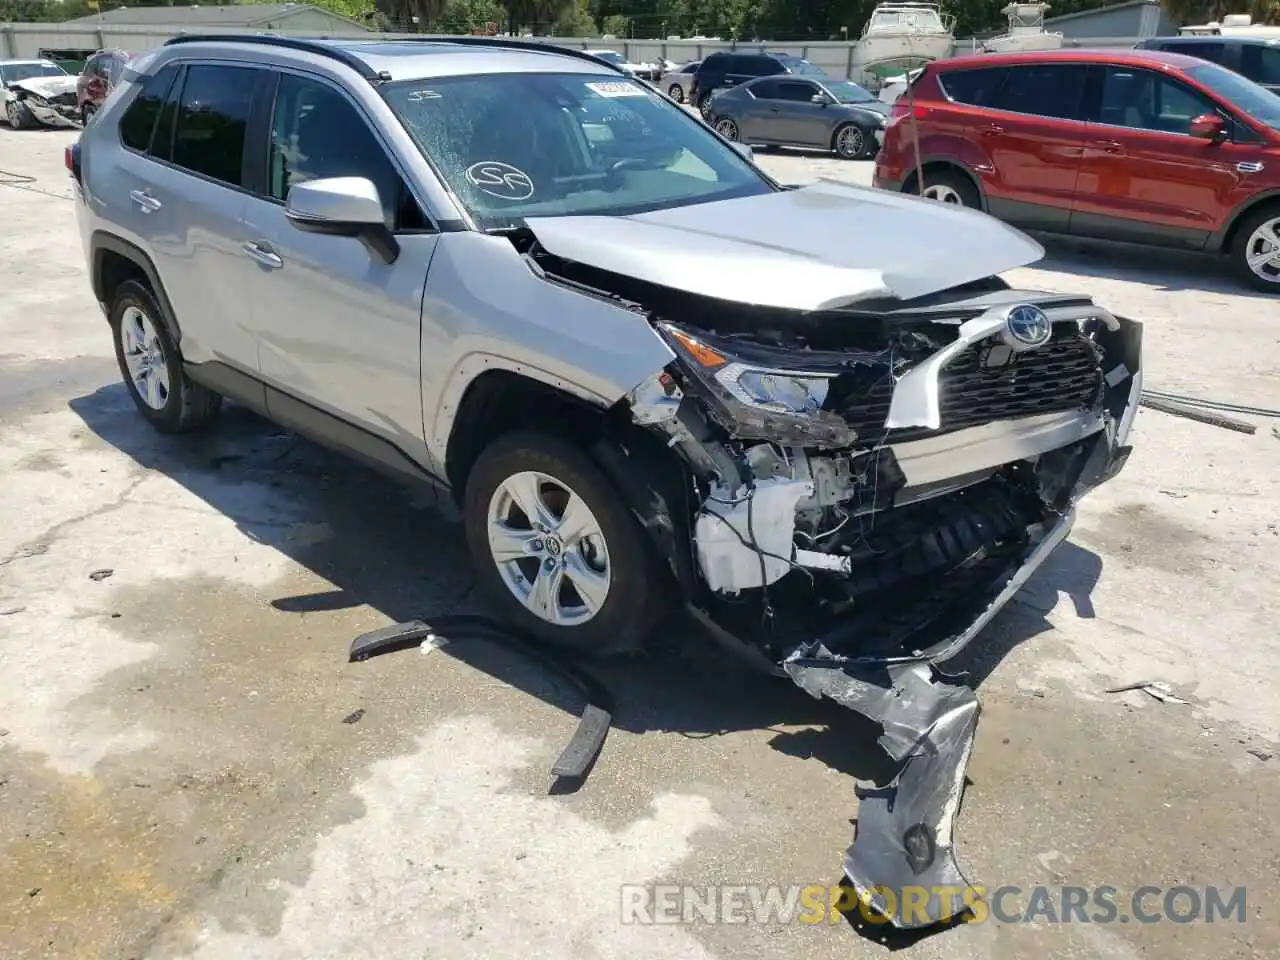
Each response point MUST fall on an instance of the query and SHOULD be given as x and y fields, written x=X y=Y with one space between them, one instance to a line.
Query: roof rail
x=321 y=48
x=504 y=42
x=318 y=47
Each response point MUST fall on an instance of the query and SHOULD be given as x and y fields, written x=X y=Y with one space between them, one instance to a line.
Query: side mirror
x=820 y=99
x=1208 y=126
x=745 y=150
x=343 y=207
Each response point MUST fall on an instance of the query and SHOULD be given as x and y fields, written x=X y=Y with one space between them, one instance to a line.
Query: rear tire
x=950 y=186
x=151 y=365
x=676 y=92
x=601 y=595
x=1257 y=235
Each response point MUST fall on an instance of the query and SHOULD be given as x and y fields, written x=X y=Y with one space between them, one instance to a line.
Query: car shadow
x=401 y=552
x=1157 y=267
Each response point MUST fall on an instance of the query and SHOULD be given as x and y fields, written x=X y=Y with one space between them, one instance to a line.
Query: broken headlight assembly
x=755 y=401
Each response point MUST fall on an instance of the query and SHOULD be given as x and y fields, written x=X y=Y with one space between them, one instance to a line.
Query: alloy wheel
x=676 y=93
x=943 y=193
x=1262 y=251
x=144 y=357
x=727 y=129
x=851 y=143
x=549 y=548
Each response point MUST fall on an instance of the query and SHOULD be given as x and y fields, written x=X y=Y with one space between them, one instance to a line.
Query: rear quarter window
x=977 y=88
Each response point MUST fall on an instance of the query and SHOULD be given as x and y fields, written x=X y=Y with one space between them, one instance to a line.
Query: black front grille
x=985 y=383
x=64 y=99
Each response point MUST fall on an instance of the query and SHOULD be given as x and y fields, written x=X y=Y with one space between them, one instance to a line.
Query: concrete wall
x=1134 y=20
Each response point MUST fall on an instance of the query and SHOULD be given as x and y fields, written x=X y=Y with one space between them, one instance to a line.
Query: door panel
x=1034 y=140
x=339 y=329
x=183 y=200
x=1143 y=177
x=800 y=120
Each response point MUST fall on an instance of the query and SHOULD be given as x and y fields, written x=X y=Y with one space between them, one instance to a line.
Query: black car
x=727 y=69
x=1254 y=57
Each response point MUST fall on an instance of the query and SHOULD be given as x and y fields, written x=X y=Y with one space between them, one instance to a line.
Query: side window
x=1261 y=64
x=797 y=91
x=1203 y=49
x=1049 y=90
x=716 y=63
x=139 y=120
x=213 y=113
x=977 y=88
x=1144 y=100
x=316 y=133
x=765 y=90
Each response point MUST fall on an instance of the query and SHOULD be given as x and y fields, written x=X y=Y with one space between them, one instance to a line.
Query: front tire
x=19 y=115
x=555 y=548
x=1255 y=254
x=704 y=107
x=86 y=113
x=850 y=142
x=151 y=365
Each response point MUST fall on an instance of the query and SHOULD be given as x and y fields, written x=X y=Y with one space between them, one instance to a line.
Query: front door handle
x=260 y=251
x=1109 y=146
x=995 y=130
x=145 y=201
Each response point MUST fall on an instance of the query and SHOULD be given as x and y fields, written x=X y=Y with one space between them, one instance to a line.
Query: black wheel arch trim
x=1217 y=242
x=102 y=242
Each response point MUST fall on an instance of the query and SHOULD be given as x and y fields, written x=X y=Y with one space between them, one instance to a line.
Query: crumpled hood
x=819 y=247
x=46 y=86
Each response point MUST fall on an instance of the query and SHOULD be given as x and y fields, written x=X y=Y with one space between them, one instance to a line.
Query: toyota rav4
x=647 y=372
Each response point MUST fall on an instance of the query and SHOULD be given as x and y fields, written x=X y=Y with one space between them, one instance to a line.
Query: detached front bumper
x=54 y=114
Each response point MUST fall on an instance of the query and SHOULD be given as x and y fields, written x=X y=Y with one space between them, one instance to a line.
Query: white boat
x=1026 y=31
x=900 y=36
x=1232 y=25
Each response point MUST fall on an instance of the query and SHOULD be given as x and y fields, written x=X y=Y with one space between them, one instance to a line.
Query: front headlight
x=758 y=401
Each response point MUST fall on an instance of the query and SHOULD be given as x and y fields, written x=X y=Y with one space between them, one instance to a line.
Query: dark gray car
x=792 y=111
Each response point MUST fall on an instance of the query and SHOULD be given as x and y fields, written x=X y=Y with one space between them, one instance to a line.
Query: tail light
x=71 y=157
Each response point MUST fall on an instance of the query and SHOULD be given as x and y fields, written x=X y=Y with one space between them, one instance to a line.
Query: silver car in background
x=678 y=83
x=794 y=111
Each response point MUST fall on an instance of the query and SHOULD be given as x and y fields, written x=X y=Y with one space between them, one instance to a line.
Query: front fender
x=487 y=307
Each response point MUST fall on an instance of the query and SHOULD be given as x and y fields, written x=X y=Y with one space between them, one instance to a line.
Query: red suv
x=101 y=73
x=1131 y=145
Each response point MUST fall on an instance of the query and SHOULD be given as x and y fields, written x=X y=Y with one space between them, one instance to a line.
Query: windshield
x=512 y=146
x=27 y=71
x=1242 y=93
x=846 y=91
x=801 y=67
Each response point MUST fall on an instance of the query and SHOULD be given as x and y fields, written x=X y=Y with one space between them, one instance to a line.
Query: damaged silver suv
x=645 y=370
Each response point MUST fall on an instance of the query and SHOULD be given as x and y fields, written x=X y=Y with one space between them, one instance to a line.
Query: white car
x=642 y=71
x=38 y=92
x=678 y=81
x=894 y=87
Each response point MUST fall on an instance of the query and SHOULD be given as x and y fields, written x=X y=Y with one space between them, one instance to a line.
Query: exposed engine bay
x=864 y=489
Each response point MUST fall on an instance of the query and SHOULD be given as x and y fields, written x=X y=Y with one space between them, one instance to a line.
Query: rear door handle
x=145 y=201
x=1109 y=146
x=261 y=252
x=993 y=131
